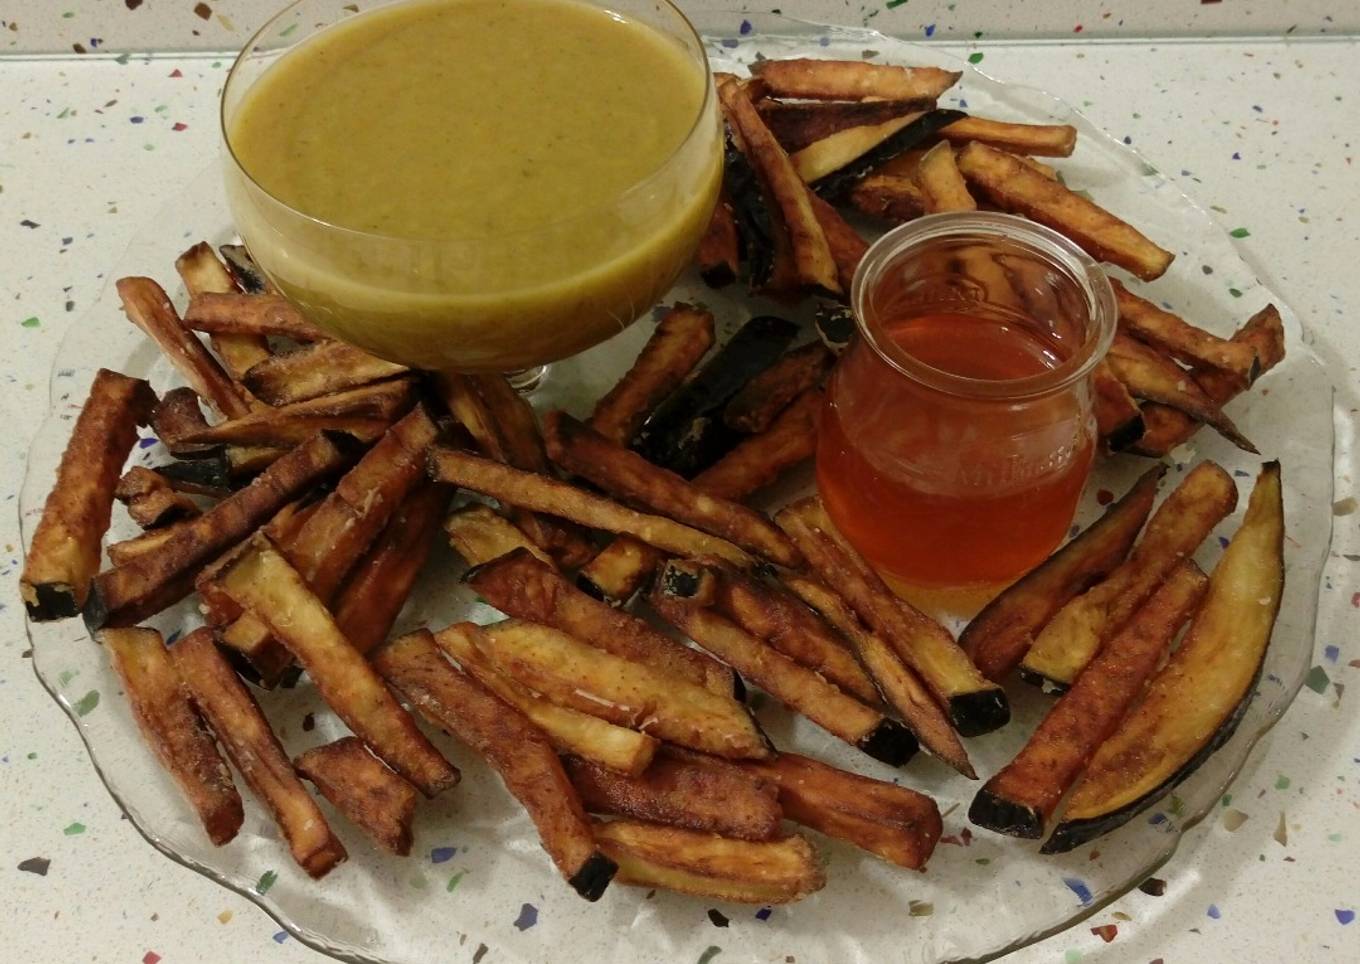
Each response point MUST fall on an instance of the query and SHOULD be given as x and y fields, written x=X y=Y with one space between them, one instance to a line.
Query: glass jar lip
x=705 y=110
x=1081 y=267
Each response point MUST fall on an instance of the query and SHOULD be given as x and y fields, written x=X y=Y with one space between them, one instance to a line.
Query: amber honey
x=958 y=432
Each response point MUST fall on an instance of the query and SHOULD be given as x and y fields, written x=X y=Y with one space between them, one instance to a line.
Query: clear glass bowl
x=477 y=862
x=561 y=287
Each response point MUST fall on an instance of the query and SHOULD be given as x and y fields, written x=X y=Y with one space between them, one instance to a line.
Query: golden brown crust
x=808 y=79
x=250 y=315
x=370 y=795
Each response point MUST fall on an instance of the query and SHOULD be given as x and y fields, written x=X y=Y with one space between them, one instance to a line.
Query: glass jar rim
x=620 y=199
x=1059 y=250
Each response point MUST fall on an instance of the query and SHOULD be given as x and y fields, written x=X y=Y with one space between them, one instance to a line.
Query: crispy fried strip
x=847 y=247
x=63 y=555
x=1000 y=635
x=619 y=571
x=890 y=821
x=1119 y=421
x=148 y=307
x=379 y=584
x=751 y=872
x=1077 y=631
x=690 y=790
x=250 y=315
x=321 y=368
x=580 y=450
x=791 y=628
x=1182 y=340
x=202 y=273
x=479 y=534
x=719 y=254
x=505 y=428
x=940 y=183
x=571 y=731
x=151 y=500
x=575 y=674
x=1015 y=186
x=520 y=585
x=831 y=153
x=249 y=741
x=975 y=704
x=176 y=416
x=543 y=494
x=888 y=196
x=370 y=795
x=798 y=688
x=682 y=337
x=761 y=459
x=799 y=124
x=262 y=581
x=121 y=553
x=899 y=685
x=1020 y=799
x=514 y=747
x=785 y=190
x=1167 y=427
x=173 y=730
x=1152 y=376
x=364 y=412
x=807 y=79
x=1042 y=140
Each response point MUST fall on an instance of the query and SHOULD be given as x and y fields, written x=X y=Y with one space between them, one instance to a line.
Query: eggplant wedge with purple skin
x=1193 y=705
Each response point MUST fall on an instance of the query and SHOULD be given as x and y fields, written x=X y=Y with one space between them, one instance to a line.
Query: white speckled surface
x=1263 y=131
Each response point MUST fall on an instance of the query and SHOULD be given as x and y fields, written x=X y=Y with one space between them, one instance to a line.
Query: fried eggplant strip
x=1077 y=631
x=847 y=247
x=320 y=368
x=370 y=795
x=250 y=315
x=176 y=416
x=1119 y=421
x=543 y=494
x=173 y=730
x=121 y=553
x=719 y=254
x=580 y=676
x=794 y=685
x=148 y=307
x=791 y=628
x=1182 y=340
x=841 y=161
x=1016 y=187
x=999 y=637
x=379 y=584
x=785 y=190
x=524 y=587
x=571 y=731
x=1020 y=799
x=975 y=704
x=249 y=741
x=619 y=571
x=1152 y=376
x=1194 y=704
x=940 y=183
x=513 y=746
x=150 y=498
x=828 y=155
x=63 y=556
x=623 y=473
x=1040 y=140
x=1167 y=427
x=681 y=339
x=799 y=124
x=889 y=821
x=203 y=273
x=479 y=534
x=505 y=428
x=899 y=685
x=688 y=862
x=687 y=790
x=807 y=79
x=888 y=196
x=756 y=406
x=363 y=412
x=762 y=458
x=262 y=582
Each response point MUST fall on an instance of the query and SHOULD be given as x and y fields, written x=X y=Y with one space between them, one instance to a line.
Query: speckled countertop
x=1263 y=131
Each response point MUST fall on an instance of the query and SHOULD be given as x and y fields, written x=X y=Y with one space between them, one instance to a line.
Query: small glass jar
x=959 y=428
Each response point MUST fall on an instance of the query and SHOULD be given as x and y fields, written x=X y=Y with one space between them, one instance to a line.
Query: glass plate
x=477 y=875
